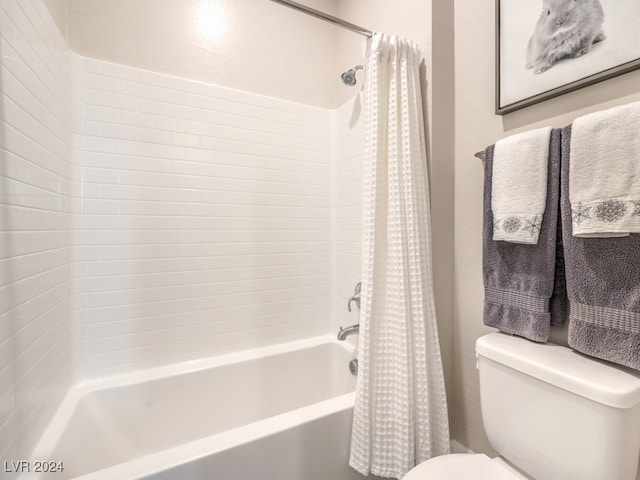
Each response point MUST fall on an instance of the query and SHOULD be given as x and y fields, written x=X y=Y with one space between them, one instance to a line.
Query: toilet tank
x=556 y=414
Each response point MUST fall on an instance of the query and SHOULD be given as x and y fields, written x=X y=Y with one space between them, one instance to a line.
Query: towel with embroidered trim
x=604 y=173
x=519 y=186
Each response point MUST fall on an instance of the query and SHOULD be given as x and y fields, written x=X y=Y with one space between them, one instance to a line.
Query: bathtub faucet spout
x=345 y=332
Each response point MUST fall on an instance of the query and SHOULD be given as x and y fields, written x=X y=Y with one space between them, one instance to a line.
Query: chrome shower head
x=349 y=77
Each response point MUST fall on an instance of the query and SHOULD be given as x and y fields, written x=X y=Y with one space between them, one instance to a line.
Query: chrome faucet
x=353 y=329
x=355 y=297
x=345 y=332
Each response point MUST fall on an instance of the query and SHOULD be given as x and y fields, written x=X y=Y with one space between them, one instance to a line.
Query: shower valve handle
x=355 y=297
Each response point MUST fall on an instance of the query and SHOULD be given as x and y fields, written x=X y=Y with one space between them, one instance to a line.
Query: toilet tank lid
x=591 y=378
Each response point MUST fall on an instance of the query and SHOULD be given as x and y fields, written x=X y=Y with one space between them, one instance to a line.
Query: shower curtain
x=400 y=416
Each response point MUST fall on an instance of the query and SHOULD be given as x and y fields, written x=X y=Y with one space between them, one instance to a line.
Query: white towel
x=604 y=173
x=519 y=186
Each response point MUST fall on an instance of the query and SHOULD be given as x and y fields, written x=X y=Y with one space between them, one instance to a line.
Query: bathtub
x=278 y=412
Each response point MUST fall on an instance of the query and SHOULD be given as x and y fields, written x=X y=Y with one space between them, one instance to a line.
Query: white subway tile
x=100 y=82
x=36 y=241
x=171 y=124
x=155 y=107
x=185 y=140
x=136 y=89
x=175 y=96
x=100 y=114
x=118 y=101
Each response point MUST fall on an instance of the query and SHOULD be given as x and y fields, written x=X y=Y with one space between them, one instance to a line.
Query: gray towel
x=603 y=285
x=519 y=278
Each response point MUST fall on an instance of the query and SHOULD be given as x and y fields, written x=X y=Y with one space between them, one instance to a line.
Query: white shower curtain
x=400 y=416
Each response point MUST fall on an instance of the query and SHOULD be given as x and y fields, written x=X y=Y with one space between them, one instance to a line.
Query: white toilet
x=551 y=414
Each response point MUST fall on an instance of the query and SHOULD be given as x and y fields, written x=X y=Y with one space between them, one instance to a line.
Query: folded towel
x=604 y=177
x=603 y=285
x=519 y=186
x=519 y=278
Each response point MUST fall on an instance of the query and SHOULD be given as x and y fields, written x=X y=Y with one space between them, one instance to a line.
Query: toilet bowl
x=551 y=414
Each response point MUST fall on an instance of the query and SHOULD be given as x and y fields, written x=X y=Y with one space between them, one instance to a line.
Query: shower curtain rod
x=326 y=17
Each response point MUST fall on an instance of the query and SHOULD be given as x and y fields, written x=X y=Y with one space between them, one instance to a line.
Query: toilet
x=551 y=414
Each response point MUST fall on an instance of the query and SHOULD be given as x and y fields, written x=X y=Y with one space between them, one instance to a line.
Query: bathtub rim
x=190 y=451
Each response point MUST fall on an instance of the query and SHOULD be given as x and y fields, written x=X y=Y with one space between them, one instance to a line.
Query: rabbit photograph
x=565 y=29
x=547 y=47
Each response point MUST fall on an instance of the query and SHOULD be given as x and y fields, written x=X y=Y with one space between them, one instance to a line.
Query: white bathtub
x=279 y=412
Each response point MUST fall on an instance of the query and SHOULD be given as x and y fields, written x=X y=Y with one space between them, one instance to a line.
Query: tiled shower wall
x=206 y=219
x=35 y=224
x=348 y=137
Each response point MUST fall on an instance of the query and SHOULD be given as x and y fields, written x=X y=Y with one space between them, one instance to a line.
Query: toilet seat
x=462 y=467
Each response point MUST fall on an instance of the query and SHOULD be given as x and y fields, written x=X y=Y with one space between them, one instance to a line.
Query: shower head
x=349 y=77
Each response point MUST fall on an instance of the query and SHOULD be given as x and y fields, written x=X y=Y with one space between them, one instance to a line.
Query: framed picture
x=545 y=48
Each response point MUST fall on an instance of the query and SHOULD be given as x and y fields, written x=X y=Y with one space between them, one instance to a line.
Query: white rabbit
x=566 y=28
